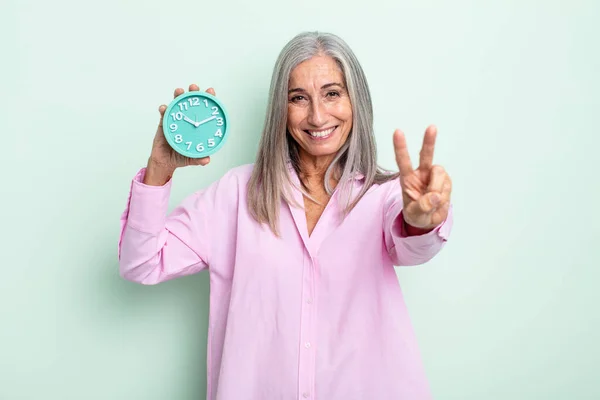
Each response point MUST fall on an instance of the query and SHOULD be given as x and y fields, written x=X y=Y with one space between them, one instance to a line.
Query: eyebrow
x=326 y=86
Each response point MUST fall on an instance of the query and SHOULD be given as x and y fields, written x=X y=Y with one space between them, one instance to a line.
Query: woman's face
x=319 y=109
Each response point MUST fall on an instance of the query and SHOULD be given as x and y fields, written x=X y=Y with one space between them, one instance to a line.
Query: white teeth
x=321 y=133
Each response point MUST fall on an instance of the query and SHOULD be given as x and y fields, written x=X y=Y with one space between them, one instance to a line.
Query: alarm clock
x=196 y=124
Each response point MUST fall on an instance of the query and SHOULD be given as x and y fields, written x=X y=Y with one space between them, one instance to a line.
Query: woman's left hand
x=425 y=190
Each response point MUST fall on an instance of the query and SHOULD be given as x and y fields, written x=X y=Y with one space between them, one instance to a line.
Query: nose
x=316 y=114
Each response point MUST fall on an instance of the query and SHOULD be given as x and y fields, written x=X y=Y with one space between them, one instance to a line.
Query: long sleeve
x=154 y=246
x=411 y=250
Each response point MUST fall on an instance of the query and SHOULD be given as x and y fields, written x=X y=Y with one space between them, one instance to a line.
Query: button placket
x=307 y=369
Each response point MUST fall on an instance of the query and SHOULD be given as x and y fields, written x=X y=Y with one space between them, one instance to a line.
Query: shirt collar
x=358 y=176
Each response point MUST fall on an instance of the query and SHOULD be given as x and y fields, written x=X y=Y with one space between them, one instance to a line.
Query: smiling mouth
x=321 y=134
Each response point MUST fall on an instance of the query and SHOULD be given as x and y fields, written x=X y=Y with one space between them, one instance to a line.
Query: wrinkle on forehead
x=316 y=72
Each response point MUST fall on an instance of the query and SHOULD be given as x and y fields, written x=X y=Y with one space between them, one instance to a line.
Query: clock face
x=195 y=124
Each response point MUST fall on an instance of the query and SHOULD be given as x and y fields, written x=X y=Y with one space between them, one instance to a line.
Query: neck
x=313 y=168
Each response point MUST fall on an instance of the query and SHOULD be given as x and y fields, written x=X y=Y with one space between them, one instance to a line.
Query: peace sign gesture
x=425 y=190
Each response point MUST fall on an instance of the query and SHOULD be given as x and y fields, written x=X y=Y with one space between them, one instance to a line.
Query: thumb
x=429 y=202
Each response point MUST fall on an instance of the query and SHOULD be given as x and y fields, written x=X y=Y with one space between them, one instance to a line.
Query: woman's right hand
x=163 y=159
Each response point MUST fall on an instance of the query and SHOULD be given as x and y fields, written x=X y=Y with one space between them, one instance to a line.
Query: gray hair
x=270 y=181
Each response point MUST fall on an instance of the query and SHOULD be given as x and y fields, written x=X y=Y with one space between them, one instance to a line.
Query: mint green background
x=509 y=310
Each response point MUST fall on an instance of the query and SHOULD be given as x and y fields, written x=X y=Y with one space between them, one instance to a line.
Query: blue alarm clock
x=196 y=124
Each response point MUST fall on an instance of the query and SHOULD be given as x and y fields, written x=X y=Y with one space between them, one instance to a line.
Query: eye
x=296 y=99
x=333 y=94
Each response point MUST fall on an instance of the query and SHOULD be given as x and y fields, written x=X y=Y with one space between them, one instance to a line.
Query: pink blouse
x=318 y=317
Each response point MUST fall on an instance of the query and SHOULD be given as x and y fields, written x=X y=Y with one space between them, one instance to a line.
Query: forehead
x=316 y=70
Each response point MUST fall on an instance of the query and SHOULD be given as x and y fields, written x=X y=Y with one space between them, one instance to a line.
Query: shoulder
x=234 y=180
x=384 y=192
x=390 y=187
x=242 y=172
x=385 y=187
x=225 y=193
x=238 y=176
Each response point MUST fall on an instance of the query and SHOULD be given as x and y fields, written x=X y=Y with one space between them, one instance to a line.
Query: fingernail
x=435 y=199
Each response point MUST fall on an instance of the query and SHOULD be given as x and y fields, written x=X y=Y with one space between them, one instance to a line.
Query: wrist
x=410 y=230
x=157 y=175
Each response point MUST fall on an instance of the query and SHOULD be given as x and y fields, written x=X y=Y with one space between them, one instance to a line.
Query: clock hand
x=185 y=117
x=205 y=120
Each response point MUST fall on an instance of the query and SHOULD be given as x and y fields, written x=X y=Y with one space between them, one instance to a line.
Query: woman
x=301 y=245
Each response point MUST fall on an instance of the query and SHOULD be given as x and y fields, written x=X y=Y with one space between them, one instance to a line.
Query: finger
x=161 y=111
x=177 y=92
x=412 y=186
x=446 y=192
x=413 y=194
x=428 y=203
x=402 y=156
x=201 y=161
x=437 y=177
x=440 y=215
x=426 y=154
x=211 y=91
x=193 y=87
x=437 y=192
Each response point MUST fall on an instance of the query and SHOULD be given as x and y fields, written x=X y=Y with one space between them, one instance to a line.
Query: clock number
x=206 y=102
x=173 y=127
x=219 y=133
x=200 y=147
x=177 y=116
x=189 y=144
x=178 y=138
x=219 y=121
x=194 y=101
x=183 y=106
x=215 y=111
x=211 y=142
